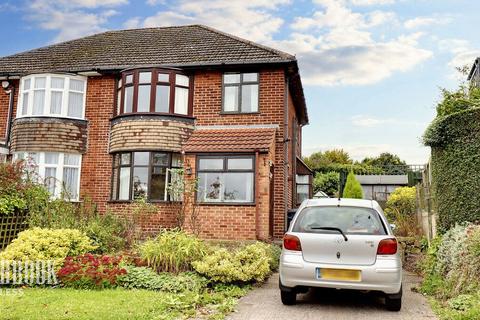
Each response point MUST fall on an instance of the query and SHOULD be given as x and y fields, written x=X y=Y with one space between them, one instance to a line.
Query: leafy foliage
x=146 y=278
x=329 y=157
x=353 y=189
x=19 y=191
x=91 y=272
x=390 y=163
x=106 y=230
x=253 y=262
x=47 y=244
x=172 y=251
x=326 y=182
x=455 y=141
x=400 y=209
x=464 y=98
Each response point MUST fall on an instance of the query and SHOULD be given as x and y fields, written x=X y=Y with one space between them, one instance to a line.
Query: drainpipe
x=11 y=91
x=257 y=196
x=286 y=160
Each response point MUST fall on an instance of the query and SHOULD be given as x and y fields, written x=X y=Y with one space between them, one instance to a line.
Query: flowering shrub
x=91 y=271
x=251 y=263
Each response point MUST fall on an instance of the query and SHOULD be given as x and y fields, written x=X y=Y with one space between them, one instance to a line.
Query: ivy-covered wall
x=455 y=143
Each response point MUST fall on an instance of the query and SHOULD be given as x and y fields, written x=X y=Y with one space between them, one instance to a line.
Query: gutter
x=285 y=150
x=257 y=195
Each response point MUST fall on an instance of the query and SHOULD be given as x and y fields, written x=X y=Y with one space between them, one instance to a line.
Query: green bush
x=105 y=230
x=353 y=189
x=326 y=182
x=400 y=209
x=455 y=141
x=48 y=245
x=251 y=263
x=146 y=278
x=172 y=251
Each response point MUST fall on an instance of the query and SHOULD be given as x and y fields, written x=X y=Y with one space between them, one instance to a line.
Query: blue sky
x=371 y=68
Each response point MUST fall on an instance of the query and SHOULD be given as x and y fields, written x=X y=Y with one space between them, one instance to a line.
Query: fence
x=426 y=209
x=10 y=226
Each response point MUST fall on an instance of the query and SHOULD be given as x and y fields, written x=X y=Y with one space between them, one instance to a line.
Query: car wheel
x=394 y=302
x=288 y=297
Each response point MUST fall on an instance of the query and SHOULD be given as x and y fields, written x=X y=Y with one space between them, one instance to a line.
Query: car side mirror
x=393 y=226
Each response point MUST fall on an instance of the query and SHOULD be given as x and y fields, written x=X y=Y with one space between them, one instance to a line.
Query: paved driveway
x=264 y=303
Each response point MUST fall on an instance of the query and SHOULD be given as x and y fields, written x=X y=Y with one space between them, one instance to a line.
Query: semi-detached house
x=109 y=115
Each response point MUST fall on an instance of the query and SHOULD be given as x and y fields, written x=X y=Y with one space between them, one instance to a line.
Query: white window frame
x=41 y=166
x=48 y=94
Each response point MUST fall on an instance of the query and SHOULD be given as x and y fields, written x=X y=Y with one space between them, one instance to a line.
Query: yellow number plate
x=339 y=274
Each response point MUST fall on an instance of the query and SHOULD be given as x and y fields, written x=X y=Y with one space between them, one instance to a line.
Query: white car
x=343 y=244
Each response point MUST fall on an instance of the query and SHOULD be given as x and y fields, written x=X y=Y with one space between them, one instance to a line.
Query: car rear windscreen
x=351 y=220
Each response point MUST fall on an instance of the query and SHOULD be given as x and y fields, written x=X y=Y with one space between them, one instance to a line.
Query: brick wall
x=49 y=134
x=149 y=133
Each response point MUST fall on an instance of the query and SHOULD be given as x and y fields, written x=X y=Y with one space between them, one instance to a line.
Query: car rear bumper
x=384 y=276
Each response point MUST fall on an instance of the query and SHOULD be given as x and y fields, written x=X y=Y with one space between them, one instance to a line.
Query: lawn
x=54 y=304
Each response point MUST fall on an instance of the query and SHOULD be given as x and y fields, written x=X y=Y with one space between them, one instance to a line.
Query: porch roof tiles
x=230 y=140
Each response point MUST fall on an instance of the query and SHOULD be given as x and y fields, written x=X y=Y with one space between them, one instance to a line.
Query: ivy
x=455 y=143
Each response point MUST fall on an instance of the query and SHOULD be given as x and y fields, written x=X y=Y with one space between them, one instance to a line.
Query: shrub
x=253 y=262
x=172 y=251
x=91 y=272
x=47 y=244
x=146 y=278
x=353 y=189
x=105 y=230
x=326 y=182
x=400 y=209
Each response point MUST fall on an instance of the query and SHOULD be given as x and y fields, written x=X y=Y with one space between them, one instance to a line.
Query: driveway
x=264 y=303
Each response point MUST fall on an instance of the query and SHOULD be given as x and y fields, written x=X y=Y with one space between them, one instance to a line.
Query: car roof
x=340 y=202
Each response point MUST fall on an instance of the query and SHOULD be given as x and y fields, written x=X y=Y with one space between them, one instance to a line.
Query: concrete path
x=264 y=303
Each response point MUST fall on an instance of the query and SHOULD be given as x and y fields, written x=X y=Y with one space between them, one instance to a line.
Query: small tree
x=326 y=182
x=353 y=188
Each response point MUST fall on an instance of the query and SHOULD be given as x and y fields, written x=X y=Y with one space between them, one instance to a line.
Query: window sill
x=152 y=201
x=245 y=204
x=238 y=113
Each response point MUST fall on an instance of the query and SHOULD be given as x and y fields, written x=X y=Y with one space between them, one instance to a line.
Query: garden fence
x=10 y=226
x=426 y=209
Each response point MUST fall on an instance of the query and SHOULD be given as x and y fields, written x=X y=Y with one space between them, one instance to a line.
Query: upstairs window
x=240 y=92
x=52 y=95
x=154 y=91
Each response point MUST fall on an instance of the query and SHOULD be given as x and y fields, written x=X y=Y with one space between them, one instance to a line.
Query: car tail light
x=387 y=246
x=291 y=242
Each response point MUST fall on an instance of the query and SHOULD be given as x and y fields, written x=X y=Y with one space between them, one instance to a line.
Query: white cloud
x=132 y=23
x=71 y=18
x=370 y=121
x=155 y=2
x=371 y=2
x=419 y=22
x=463 y=54
x=336 y=46
x=254 y=20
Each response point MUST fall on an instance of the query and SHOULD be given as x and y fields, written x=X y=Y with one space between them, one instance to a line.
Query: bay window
x=154 y=91
x=59 y=172
x=53 y=95
x=143 y=174
x=240 y=92
x=225 y=179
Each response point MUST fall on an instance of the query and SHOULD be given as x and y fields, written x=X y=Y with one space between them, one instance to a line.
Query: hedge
x=455 y=143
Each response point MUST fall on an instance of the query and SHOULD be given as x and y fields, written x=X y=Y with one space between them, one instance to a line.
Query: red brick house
x=108 y=116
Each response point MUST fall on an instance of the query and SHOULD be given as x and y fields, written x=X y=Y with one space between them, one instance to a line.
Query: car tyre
x=288 y=297
x=394 y=302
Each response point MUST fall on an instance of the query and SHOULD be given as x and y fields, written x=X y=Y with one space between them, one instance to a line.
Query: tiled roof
x=193 y=45
x=230 y=140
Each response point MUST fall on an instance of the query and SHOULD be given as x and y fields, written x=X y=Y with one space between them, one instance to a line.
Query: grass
x=55 y=304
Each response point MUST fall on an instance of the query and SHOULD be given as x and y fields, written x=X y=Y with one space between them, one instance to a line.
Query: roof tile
x=230 y=140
